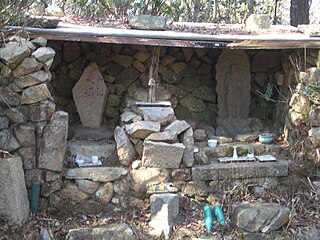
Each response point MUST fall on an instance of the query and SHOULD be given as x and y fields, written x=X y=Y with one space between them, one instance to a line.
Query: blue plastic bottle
x=208 y=221
x=218 y=213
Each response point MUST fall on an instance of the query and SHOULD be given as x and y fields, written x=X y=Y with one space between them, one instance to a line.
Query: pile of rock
x=152 y=132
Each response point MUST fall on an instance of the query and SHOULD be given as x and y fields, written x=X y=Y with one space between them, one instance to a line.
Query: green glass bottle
x=208 y=221
x=218 y=213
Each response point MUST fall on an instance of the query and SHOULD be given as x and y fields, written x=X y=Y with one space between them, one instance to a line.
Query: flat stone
x=111 y=231
x=218 y=171
x=128 y=117
x=125 y=149
x=100 y=174
x=142 y=56
x=105 y=193
x=247 y=137
x=87 y=186
x=122 y=60
x=9 y=97
x=90 y=96
x=40 y=41
x=178 y=126
x=102 y=148
x=164 y=209
x=13 y=198
x=142 y=129
x=33 y=79
x=27 y=66
x=163 y=115
x=26 y=135
x=260 y=217
x=14 y=52
x=72 y=193
x=163 y=155
x=43 y=54
x=35 y=94
x=168 y=137
x=41 y=111
x=147 y=22
x=54 y=143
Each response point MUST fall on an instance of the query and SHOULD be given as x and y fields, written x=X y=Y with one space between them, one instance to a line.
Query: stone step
x=238 y=170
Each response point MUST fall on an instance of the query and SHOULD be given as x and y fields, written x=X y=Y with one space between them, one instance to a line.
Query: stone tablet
x=90 y=96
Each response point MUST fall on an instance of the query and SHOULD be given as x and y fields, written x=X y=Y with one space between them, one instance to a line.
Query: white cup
x=212 y=143
x=94 y=159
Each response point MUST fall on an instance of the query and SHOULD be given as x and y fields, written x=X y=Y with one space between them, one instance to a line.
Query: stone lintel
x=220 y=171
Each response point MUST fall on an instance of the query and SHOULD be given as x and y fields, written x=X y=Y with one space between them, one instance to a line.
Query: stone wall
x=302 y=124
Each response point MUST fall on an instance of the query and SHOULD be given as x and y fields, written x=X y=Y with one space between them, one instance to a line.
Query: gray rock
x=15 y=115
x=163 y=155
x=121 y=186
x=127 y=76
x=260 y=217
x=35 y=94
x=41 y=111
x=8 y=97
x=102 y=148
x=178 y=126
x=147 y=22
x=7 y=141
x=87 y=186
x=4 y=123
x=108 y=232
x=193 y=104
x=315 y=117
x=14 y=203
x=142 y=129
x=164 y=209
x=125 y=149
x=27 y=66
x=52 y=176
x=105 y=193
x=40 y=41
x=45 y=235
x=33 y=79
x=90 y=96
x=309 y=234
x=188 y=157
x=300 y=103
x=128 y=117
x=163 y=115
x=54 y=143
x=314 y=136
x=43 y=54
x=200 y=135
x=167 y=136
x=256 y=21
x=50 y=187
x=101 y=174
x=26 y=135
x=28 y=157
x=14 y=52
x=71 y=193
x=247 y=137
x=33 y=175
x=182 y=174
x=201 y=158
x=123 y=60
x=205 y=93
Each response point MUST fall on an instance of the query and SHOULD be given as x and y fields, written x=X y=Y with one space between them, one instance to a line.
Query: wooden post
x=153 y=74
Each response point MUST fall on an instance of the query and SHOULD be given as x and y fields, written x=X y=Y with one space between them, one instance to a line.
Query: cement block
x=14 y=203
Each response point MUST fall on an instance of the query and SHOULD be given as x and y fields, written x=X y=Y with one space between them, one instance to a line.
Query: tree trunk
x=299 y=12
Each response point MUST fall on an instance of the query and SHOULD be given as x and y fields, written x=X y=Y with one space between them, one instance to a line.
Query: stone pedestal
x=14 y=203
x=164 y=212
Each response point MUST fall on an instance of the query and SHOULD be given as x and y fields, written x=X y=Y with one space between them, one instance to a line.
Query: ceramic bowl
x=265 y=138
x=212 y=143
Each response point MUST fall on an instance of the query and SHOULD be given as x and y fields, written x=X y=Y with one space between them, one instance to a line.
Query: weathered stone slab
x=14 y=203
x=178 y=126
x=54 y=143
x=15 y=115
x=4 y=123
x=27 y=66
x=14 y=52
x=300 y=103
x=8 y=97
x=108 y=232
x=168 y=137
x=100 y=174
x=87 y=186
x=125 y=149
x=35 y=94
x=28 y=157
x=163 y=115
x=43 y=54
x=127 y=117
x=142 y=129
x=33 y=79
x=147 y=22
x=217 y=171
x=7 y=141
x=90 y=96
x=163 y=155
x=105 y=193
x=164 y=211
x=260 y=217
x=87 y=148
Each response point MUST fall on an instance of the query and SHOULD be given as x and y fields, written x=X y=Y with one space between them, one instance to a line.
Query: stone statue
x=152 y=90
